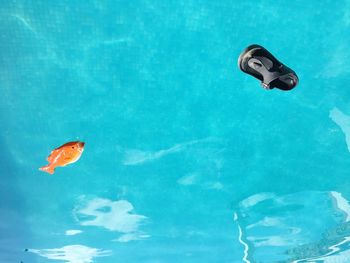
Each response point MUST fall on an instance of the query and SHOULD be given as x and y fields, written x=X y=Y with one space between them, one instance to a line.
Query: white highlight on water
x=342 y=204
x=343 y=121
x=240 y=240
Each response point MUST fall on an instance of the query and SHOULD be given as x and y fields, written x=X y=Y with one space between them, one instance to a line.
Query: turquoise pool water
x=187 y=159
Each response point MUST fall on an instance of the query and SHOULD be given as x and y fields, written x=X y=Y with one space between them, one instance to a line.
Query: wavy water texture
x=342 y=204
x=195 y=179
x=189 y=179
x=73 y=232
x=336 y=240
x=240 y=240
x=289 y=229
x=339 y=253
x=343 y=121
x=25 y=23
x=72 y=253
x=337 y=63
x=131 y=236
x=116 y=216
x=266 y=221
x=255 y=199
x=138 y=157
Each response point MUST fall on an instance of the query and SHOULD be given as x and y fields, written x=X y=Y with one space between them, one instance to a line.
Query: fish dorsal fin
x=51 y=157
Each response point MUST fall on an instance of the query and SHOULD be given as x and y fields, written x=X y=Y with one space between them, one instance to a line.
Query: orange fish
x=66 y=154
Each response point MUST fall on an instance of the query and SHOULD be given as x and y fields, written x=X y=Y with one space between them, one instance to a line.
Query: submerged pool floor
x=186 y=159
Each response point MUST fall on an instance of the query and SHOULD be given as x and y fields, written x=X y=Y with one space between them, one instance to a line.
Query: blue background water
x=176 y=136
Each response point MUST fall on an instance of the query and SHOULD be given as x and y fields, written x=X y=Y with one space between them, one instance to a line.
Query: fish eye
x=72 y=147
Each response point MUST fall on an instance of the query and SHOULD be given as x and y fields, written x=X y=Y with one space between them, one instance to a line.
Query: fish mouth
x=81 y=146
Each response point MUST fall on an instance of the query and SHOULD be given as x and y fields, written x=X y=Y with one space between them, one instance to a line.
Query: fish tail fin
x=48 y=168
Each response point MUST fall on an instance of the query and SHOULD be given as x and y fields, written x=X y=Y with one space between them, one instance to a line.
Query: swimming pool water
x=187 y=159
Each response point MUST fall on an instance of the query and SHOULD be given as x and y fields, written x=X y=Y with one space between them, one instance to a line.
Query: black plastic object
x=261 y=64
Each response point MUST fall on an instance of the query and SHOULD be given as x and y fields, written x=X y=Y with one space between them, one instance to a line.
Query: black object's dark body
x=255 y=60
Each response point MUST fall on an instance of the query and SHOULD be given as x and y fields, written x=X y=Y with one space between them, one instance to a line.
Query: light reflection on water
x=305 y=227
